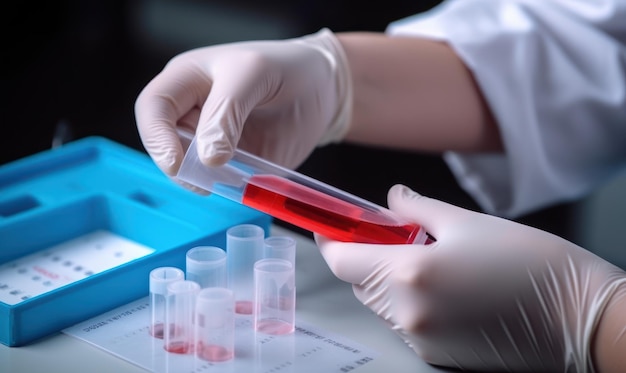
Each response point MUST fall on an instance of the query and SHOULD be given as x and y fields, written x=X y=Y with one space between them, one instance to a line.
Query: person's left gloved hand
x=278 y=99
x=488 y=295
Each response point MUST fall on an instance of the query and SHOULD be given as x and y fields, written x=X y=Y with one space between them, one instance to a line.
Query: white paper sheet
x=124 y=333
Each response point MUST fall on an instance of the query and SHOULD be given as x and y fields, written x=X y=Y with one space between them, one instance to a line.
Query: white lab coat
x=554 y=75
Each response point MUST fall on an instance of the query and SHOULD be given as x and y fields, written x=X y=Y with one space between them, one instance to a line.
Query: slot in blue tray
x=96 y=185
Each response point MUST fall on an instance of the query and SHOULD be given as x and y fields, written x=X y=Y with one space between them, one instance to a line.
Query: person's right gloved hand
x=489 y=294
x=276 y=99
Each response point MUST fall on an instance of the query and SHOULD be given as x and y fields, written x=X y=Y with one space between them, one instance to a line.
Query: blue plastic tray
x=96 y=184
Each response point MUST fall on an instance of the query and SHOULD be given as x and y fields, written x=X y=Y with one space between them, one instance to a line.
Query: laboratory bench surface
x=322 y=300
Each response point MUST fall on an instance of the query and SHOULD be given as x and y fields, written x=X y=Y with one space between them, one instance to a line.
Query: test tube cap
x=203 y=258
x=244 y=233
x=183 y=287
x=161 y=277
x=207 y=266
x=281 y=247
x=215 y=306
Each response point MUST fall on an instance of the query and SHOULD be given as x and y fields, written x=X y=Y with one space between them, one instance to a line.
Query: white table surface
x=322 y=301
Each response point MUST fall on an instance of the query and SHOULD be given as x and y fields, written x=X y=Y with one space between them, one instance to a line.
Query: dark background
x=81 y=64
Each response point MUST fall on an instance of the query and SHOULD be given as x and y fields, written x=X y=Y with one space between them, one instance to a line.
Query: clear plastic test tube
x=180 y=307
x=275 y=296
x=215 y=324
x=206 y=265
x=280 y=247
x=160 y=278
x=244 y=246
x=299 y=200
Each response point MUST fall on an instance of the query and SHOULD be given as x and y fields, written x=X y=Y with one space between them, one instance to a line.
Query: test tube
x=244 y=246
x=275 y=296
x=280 y=247
x=215 y=324
x=180 y=307
x=299 y=200
x=206 y=265
x=160 y=278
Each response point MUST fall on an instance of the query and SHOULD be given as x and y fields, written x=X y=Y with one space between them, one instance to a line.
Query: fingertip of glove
x=405 y=201
x=215 y=158
x=214 y=147
x=213 y=154
x=319 y=239
x=191 y=187
x=402 y=191
x=168 y=160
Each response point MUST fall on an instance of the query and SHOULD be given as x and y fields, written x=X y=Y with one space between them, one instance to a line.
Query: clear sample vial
x=280 y=247
x=206 y=265
x=244 y=246
x=275 y=296
x=160 y=278
x=180 y=307
x=215 y=324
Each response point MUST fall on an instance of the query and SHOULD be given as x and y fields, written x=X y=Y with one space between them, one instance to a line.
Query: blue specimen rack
x=97 y=184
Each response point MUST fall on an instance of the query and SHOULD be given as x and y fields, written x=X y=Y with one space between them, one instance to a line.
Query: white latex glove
x=488 y=295
x=277 y=99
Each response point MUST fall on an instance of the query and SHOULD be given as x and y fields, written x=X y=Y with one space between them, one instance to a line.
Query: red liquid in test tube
x=324 y=214
x=178 y=347
x=214 y=353
x=299 y=200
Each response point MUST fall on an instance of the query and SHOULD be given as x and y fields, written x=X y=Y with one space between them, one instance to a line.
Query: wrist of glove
x=488 y=295
x=328 y=44
x=277 y=99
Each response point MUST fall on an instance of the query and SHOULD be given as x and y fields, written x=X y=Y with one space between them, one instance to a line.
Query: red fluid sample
x=243 y=307
x=324 y=214
x=274 y=327
x=214 y=353
x=179 y=347
x=157 y=331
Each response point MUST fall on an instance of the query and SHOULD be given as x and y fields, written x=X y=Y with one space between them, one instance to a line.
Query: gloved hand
x=276 y=99
x=488 y=295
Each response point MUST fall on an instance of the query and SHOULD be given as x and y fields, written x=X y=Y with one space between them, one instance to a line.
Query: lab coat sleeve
x=554 y=75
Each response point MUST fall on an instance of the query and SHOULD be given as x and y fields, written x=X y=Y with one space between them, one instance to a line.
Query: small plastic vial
x=215 y=324
x=244 y=246
x=160 y=278
x=179 y=314
x=275 y=296
x=206 y=265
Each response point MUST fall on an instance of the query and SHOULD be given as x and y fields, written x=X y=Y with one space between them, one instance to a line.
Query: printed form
x=124 y=332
